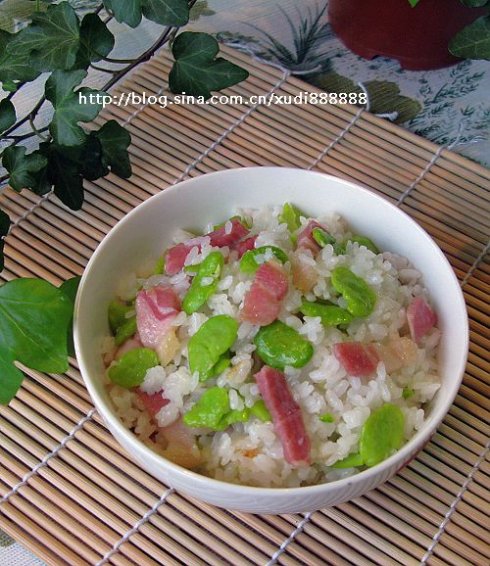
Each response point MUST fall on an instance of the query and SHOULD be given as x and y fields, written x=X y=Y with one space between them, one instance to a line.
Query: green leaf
x=24 y=169
x=70 y=106
x=15 y=66
x=413 y=3
x=166 y=12
x=9 y=86
x=96 y=41
x=473 y=41
x=10 y=377
x=7 y=115
x=114 y=141
x=196 y=71
x=70 y=288
x=66 y=177
x=127 y=12
x=34 y=317
x=4 y=230
x=52 y=39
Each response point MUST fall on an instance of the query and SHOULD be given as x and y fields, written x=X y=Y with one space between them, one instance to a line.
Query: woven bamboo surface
x=70 y=494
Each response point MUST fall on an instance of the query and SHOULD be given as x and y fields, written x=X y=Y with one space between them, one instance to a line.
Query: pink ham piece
x=221 y=237
x=155 y=310
x=176 y=255
x=358 y=359
x=153 y=402
x=262 y=303
x=286 y=415
x=175 y=258
x=421 y=318
x=305 y=237
x=245 y=245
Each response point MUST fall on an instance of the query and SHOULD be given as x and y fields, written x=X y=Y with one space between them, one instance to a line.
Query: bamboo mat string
x=229 y=130
x=476 y=263
x=49 y=456
x=136 y=527
x=298 y=530
x=335 y=141
x=430 y=164
x=454 y=504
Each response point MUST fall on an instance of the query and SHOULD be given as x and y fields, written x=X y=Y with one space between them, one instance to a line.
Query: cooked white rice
x=251 y=453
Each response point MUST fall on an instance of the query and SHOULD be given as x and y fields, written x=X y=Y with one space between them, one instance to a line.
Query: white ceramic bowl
x=147 y=230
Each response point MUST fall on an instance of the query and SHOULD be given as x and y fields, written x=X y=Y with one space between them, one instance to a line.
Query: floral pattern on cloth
x=449 y=106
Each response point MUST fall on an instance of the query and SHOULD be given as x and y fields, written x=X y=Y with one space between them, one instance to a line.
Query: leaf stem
x=35 y=130
x=32 y=114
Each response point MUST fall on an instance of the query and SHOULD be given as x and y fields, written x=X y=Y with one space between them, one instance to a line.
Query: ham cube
x=245 y=245
x=152 y=402
x=262 y=303
x=421 y=318
x=305 y=276
x=286 y=415
x=272 y=277
x=176 y=255
x=222 y=237
x=175 y=258
x=358 y=359
x=155 y=310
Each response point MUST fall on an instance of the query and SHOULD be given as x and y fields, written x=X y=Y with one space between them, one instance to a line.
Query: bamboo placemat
x=71 y=495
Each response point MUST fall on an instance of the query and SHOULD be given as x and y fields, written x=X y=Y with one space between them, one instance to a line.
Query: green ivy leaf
x=114 y=141
x=16 y=66
x=52 y=39
x=10 y=377
x=9 y=86
x=70 y=288
x=166 y=12
x=4 y=230
x=96 y=41
x=66 y=177
x=68 y=108
x=34 y=317
x=124 y=11
x=7 y=115
x=196 y=71
x=473 y=41
x=23 y=169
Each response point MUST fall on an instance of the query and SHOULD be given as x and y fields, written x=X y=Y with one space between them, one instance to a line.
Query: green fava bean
x=248 y=263
x=322 y=238
x=209 y=410
x=209 y=343
x=116 y=314
x=352 y=461
x=125 y=331
x=204 y=283
x=159 y=268
x=290 y=216
x=358 y=295
x=331 y=315
x=235 y=416
x=366 y=242
x=130 y=370
x=327 y=418
x=279 y=345
x=382 y=434
x=259 y=410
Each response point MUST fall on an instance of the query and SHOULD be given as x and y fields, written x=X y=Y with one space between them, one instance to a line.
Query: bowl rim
x=402 y=456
